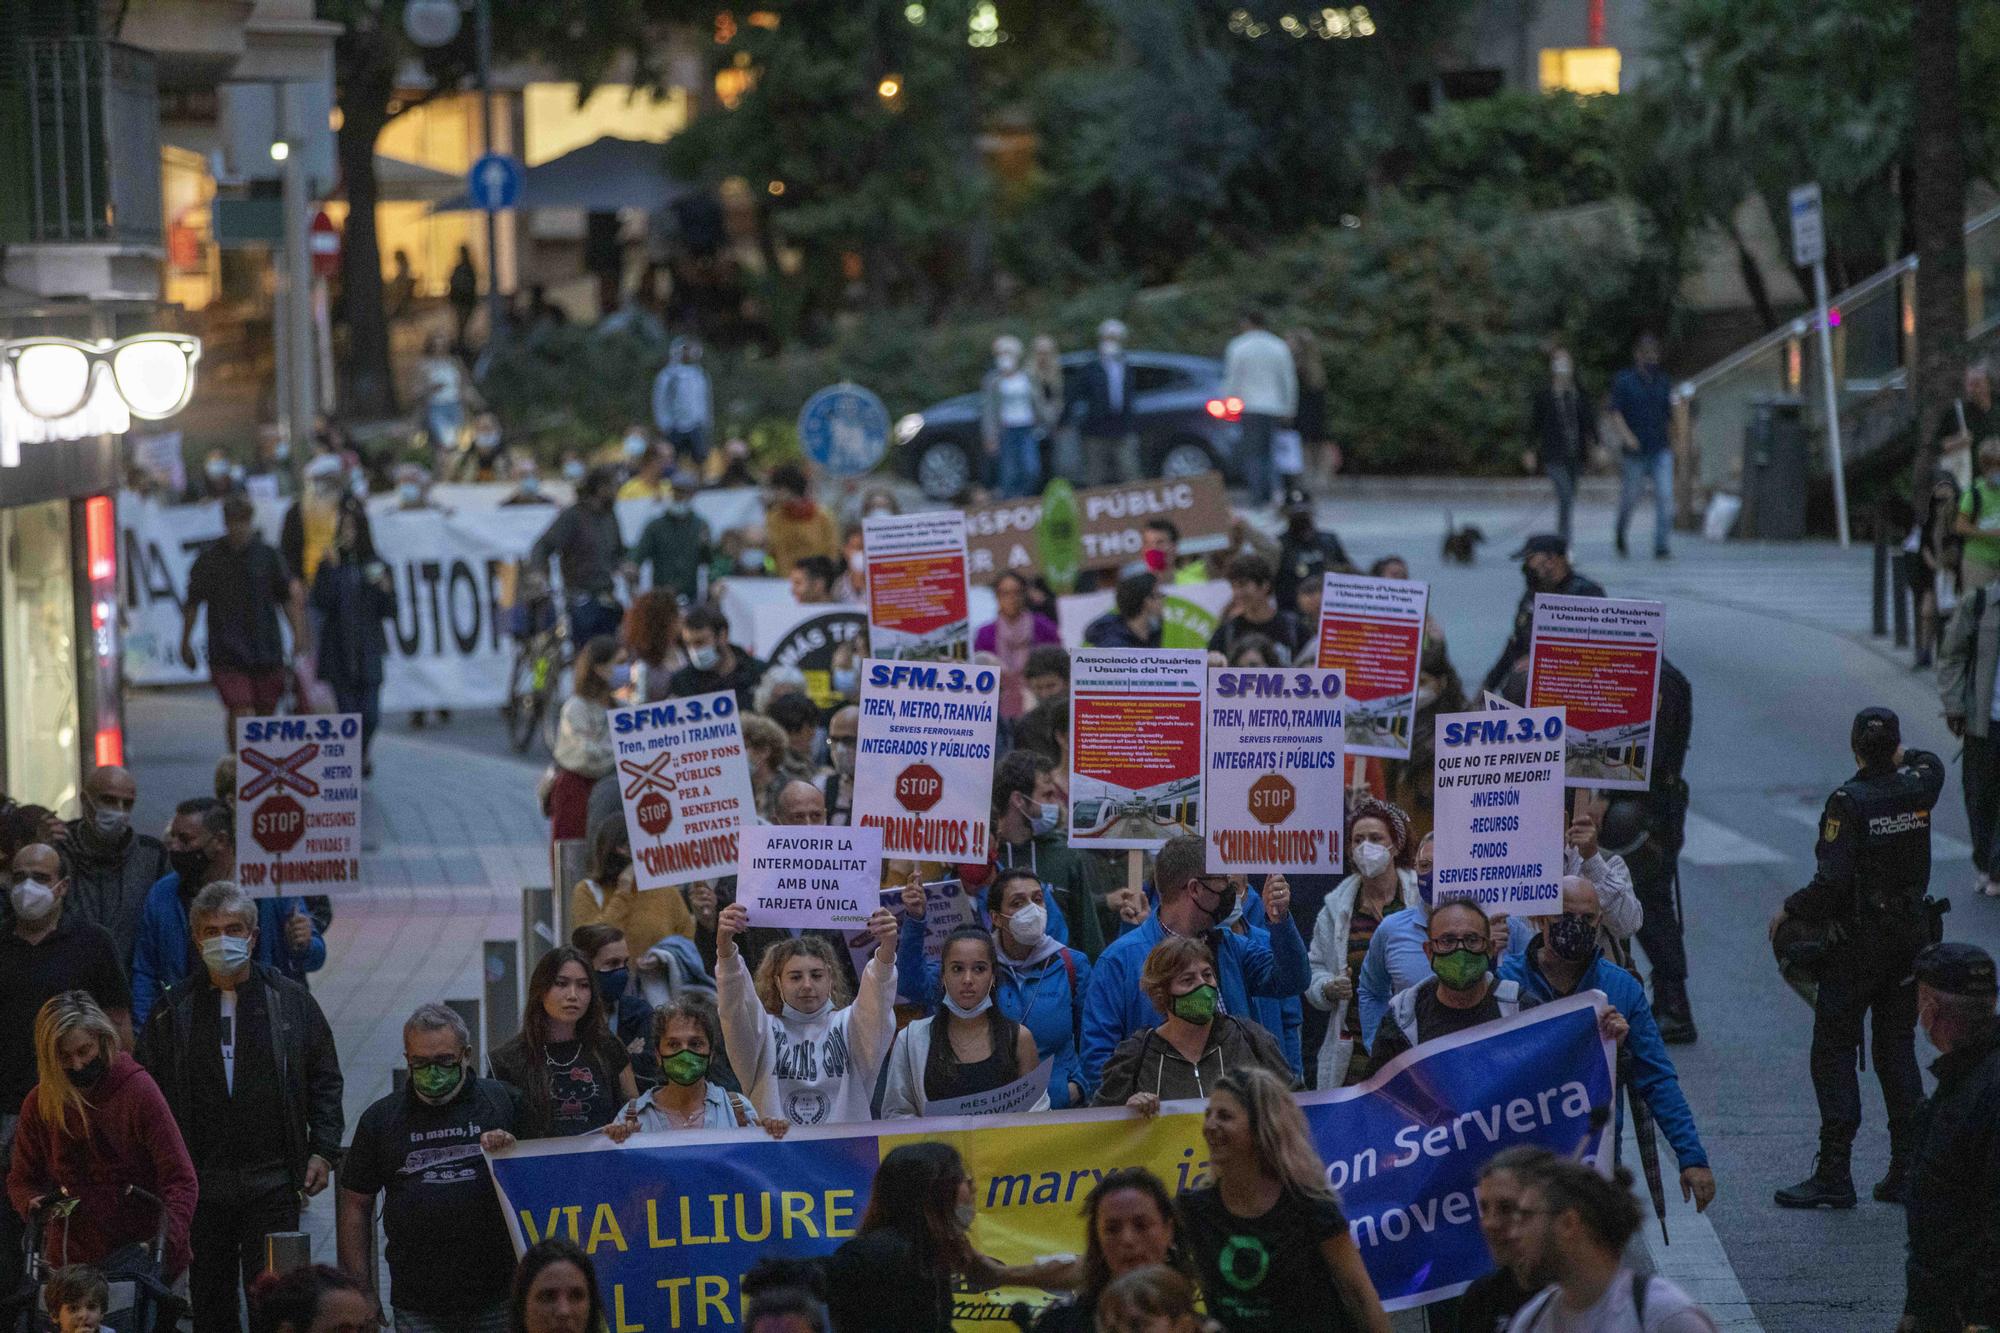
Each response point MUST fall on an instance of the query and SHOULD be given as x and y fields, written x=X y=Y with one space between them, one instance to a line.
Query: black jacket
x=292 y=536
x=1874 y=850
x=1563 y=429
x=301 y=1051
x=1576 y=585
x=1101 y=420
x=109 y=885
x=1953 y=1277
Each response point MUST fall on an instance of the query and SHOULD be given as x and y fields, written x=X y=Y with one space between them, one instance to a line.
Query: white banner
x=1273 y=799
x=1500 y=810
x=923 y=769
x=449 y=645
x=810 y=876
x=685 y=783
x=298 y=804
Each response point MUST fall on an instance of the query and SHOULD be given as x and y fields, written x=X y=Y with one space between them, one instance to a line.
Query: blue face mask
x=1424 y=887
x=612 y=983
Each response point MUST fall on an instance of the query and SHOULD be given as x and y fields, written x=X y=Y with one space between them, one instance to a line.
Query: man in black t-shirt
x=1254 y=611
x=450 y=1258
x=1463 y=991
x=243 y=582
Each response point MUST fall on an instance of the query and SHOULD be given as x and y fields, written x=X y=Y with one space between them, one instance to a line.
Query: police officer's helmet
x=1800 y=948
x=1876 y=734
x=1625 y=825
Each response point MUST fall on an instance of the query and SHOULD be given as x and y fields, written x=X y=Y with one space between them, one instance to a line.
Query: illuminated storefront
x=64 y=403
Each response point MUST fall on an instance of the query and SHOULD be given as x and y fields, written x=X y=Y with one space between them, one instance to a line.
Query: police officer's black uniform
x=1953 y=1276
x=1573 y=585
x=1874 y=864
x=1655 y=861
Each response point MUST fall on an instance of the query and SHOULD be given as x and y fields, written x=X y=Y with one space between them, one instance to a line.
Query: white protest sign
x=1598 y=659
x=1372 y=631
x=1499 y=810
x=810 y=876
x=1023 y=1094
x=919 y=598
x=946 y=908
x=298 y=804
x=923 y=766
x=1275 y=744
x=684 y=781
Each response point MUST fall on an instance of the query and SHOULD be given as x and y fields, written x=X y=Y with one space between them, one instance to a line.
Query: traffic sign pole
x=1809 y=251
x=494 y=324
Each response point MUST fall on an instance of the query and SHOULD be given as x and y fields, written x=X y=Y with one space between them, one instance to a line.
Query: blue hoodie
x=1653 y=1075
x=1046 y=997
x=1270 y=963
x=165 y=951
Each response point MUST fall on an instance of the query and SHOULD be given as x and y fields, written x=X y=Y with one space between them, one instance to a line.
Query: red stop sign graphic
x=1272 y=799
x=278 y=824
x=919 y=787
x=656 y=812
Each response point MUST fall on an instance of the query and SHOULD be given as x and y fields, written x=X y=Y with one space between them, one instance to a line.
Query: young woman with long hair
x=582 y=751
x=801 y=1050
x=571 y=1068
x=1128 y=1225
x=686 y=1040
x=555 y=1291
x=95 y=1125
x=1383 y=883
x=969 y=1046
x=1266 y=1231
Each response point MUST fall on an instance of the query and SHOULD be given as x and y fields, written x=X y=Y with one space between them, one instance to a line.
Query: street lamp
x=280 y=150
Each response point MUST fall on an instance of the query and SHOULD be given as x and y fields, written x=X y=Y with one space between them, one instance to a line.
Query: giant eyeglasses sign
x=54 y=389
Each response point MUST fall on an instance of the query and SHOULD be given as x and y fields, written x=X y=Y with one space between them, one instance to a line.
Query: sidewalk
x=450 y=839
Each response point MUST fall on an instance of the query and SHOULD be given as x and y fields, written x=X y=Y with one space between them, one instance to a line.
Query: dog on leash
x=1461 y=545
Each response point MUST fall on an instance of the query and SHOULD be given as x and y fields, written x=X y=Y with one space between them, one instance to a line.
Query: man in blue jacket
x=1565 y=959
x=1192 y=903
x=201 y=847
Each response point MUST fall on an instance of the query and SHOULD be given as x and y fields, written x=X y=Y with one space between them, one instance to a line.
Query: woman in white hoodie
x=1378 y=846
x=969 y=1046
x=799 y=1048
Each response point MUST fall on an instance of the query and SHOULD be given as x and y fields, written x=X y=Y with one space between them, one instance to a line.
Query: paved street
x=1775 y=641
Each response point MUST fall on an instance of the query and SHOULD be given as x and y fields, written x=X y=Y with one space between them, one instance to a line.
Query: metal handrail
x=1802 y=325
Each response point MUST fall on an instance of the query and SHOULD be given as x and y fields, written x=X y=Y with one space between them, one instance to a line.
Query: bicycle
x=542 y=655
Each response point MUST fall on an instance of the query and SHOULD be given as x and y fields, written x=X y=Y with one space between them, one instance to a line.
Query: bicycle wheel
x=526 y=695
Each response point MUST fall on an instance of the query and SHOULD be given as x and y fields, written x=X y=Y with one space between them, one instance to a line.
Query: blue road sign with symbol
x=845 y=429
x=495 y=182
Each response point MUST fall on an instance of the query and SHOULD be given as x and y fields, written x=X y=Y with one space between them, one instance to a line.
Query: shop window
x=1581 y=69
x=38 y=651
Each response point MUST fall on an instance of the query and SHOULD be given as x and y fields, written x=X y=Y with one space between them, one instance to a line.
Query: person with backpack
x=970 y=1048
x=686 y=1039
x=1039 y=982
x=1570 y=1237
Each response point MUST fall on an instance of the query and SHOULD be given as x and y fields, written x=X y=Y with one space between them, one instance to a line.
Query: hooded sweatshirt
x=811 y=1069
x=131 y=1139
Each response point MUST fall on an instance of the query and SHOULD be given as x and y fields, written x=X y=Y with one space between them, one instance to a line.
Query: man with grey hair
x=246 y=1062
x=1270 y=960
x=450 y=1258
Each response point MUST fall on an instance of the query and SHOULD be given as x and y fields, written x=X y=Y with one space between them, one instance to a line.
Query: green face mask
x=1460 y=969
x=1197 y=1006
x=436 y=1083
x=685 y=1067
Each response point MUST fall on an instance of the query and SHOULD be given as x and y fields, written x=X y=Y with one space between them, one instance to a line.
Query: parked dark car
x=1185 y=425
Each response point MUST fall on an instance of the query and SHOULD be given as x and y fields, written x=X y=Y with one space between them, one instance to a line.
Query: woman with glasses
x=1195 y=1044
x=1266 y=1232
x=1462 y=991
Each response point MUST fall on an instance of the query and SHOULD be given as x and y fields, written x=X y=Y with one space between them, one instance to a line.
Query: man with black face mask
x=1563 y=960
x=1545 y=567
x=112 y=864
x=1269 y=962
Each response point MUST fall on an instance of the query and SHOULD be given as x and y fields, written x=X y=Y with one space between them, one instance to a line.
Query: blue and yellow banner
x=673 y=1220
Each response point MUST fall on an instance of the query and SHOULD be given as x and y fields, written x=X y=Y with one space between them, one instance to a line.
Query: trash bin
x=1776 y=470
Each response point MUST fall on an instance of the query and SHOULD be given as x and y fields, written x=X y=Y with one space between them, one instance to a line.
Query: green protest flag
x=1185 y=623
x=1059 y=536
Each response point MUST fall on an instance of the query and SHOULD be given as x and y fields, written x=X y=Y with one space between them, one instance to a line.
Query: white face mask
x=964 y=1215
x=1371 y=858
x=703 y=658
x=985 y=1003
x=635 y=446
x=224 y=954
x=1028 y=925
x=410 y=492
x=1108 y=348
x=33 y=900
x=110 y=822
x=574 y=469
x=1006 y=362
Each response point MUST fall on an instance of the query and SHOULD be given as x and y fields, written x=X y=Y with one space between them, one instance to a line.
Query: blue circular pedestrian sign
x=495 y=182
x=845 y=429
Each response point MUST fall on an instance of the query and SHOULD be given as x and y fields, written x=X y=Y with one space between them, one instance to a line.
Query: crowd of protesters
x=158 y=1031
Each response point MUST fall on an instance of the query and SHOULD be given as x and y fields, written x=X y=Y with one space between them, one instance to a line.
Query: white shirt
x=226 y=1025
x=1017 y=399
x=1114 y=381
x=1257 y=367
x=1668 y=1310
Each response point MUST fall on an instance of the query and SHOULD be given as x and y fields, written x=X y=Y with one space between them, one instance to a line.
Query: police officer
x=1545 y=567
x=1953 y=1281
x=1874 y=864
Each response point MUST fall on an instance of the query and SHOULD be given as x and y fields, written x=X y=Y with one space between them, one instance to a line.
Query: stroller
x=141 y=1301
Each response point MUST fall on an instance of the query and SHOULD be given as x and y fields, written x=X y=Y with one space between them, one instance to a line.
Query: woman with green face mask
x=686 y=1037
x=1195 y=1043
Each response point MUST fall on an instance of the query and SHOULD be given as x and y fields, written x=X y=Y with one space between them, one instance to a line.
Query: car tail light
x=1225 y=409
